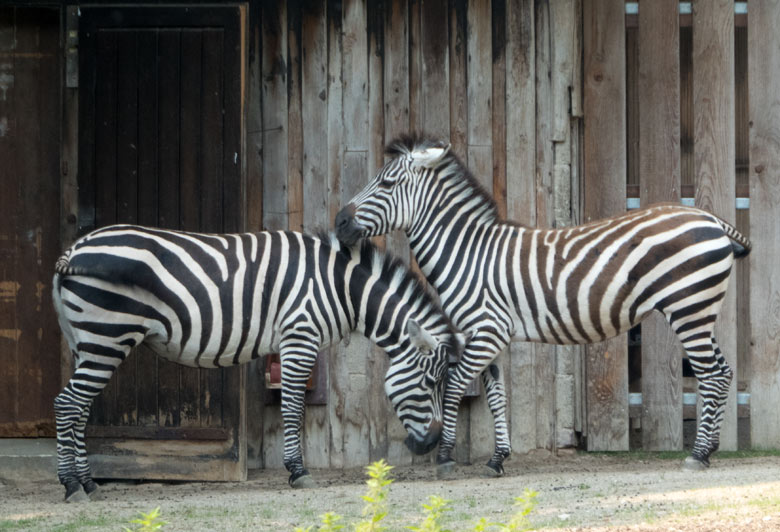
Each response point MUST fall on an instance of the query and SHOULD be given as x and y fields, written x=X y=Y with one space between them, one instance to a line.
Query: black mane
x=406 y=144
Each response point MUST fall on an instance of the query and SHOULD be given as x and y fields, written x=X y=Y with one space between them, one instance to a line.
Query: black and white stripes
x=499 y=281
x=219 y=300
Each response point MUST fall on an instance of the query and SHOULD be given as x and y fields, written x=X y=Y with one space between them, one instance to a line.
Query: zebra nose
x=344 y=216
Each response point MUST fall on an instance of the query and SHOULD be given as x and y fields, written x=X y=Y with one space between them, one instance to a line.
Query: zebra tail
x=63 y=267
x=740 y=245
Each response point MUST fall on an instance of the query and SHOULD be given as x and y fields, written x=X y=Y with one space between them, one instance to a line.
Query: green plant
x=433 y=514
x=524 y=505
x=376 y=506
x=147 y=522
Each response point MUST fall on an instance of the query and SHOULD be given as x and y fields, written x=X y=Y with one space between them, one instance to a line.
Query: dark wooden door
x=29 y=219
x=159 y=144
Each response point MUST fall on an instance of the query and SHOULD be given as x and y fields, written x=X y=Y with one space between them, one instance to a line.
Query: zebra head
x=389 y=200
x=415 y=383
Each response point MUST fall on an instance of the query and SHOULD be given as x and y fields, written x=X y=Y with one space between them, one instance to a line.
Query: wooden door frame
x=154 y=452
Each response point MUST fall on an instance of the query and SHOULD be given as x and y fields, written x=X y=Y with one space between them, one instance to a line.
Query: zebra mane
x=393 y=272
x=450 y=166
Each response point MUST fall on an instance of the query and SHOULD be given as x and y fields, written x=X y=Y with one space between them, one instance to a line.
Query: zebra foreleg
x=297 y=364
x=714 y=376
x=496 y=398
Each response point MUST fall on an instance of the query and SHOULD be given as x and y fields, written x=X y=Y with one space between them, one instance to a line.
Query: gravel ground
x=614 y=492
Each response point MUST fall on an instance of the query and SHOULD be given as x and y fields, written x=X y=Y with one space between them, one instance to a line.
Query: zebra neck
x=444 y=235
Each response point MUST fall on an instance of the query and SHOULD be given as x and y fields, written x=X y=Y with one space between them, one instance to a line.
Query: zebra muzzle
x=348 y=230
x=426 y=444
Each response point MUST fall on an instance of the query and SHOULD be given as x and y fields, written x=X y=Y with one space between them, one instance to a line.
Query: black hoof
x=494 y=469
x=90 y=487
x=74 y=492
x=445 y=470
x=696 y=464
x=301 y=479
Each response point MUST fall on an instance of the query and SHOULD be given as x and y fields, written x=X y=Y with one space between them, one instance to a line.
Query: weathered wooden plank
x=764 y=75
x=379 y=407
x=169 y=50
x=192 y=190
x=434 y=44
x=294 y=119
x=275 y=116
x=337 y=367
x=498 y=98
x=604 y=191
x=479 y=71
x=127 y=195
x=354 y=61
x=397 y=120
x=659 y=180
x=148 y=164
x=215 y=197
x=315 y=215
x=521 y=195
x=713 y=153
x=544 y=355
x=459 y=138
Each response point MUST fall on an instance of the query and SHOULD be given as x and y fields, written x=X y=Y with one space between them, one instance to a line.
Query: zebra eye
x=386 y=183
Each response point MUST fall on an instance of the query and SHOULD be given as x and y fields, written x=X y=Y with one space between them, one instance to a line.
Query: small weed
x=434 y=511
x=148 y=522
x=21 y=524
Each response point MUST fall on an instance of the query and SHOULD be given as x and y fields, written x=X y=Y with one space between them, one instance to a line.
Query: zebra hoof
x=694 y=464
x=90 y=487
x=302 y=481
x=74 y=492
x=493 y=469
x=445 y=470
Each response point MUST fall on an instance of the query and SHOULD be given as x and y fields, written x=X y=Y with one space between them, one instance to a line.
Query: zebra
x=498 y=280
x=215 y=300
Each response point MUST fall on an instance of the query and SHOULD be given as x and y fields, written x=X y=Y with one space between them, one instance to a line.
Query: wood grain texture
x=764 y=75
x=658 y=90
x=714 y=157
x=604 y=94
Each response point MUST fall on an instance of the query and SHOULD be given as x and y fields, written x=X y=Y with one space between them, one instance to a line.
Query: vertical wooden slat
x=127 y=195
x=764 y=75
x=169 y=111
x=435 y=69
x=275 y=115
x=191 y=188
x=294 y=118
x=397 y=112
x=275 y=161
x=604 y=194
x=148 y=207
x=314 y=87
x=337 y=368
x=714 y=157
x=379 y=407
x=659 y=180
x=105 y=174
x=354 y=62
x=544 y=355
x=521 y=195
x=480 y=161
x=214 y=196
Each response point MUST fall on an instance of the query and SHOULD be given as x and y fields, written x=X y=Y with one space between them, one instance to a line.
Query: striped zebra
x=208 y=301
x=499 y=281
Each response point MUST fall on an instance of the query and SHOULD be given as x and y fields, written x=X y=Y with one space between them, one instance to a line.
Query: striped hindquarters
x=588 y=283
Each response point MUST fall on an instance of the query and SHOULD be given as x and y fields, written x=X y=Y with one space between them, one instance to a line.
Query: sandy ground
x=575 y=492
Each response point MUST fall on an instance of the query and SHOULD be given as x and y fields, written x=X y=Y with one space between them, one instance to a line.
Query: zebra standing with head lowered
x=498 y=280
x=210 y=301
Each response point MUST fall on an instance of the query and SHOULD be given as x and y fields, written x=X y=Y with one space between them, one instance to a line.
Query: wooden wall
x=563 y=109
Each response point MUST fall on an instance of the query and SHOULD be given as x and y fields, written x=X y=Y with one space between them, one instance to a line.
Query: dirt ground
x=614 y=492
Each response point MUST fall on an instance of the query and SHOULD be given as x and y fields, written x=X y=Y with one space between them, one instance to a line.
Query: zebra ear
x=430 y=157
x=421 y=339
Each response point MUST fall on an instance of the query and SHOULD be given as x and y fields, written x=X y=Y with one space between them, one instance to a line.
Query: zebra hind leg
x=496 y=398
x=71 y=410
x=714 y=376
